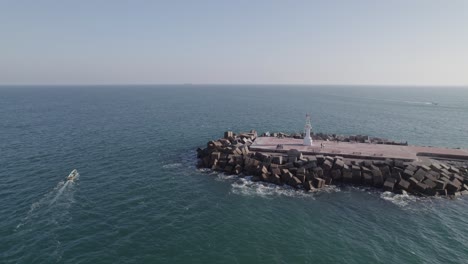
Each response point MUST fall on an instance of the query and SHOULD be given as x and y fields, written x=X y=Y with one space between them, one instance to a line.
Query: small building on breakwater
x=282 y=159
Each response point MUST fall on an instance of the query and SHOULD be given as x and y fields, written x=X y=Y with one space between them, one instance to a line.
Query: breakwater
x=232 y=154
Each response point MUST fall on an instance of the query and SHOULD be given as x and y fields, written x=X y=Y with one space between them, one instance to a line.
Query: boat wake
x=54 y=204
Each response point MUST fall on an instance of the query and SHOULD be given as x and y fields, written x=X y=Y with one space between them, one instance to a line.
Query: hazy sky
x=411 y=42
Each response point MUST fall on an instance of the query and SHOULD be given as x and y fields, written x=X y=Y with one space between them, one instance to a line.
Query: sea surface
x=140 y=199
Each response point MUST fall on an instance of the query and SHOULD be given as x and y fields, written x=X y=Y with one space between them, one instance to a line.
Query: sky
x=373 y=42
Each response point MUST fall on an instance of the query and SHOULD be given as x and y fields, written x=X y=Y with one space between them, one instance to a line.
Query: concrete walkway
x=358 y=150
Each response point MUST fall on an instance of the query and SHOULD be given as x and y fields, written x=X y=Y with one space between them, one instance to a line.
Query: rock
x=336 y=174
x=419 y=175
x=385 y=171
x=436 y=166
x=404 y=185
x=453 y=186
x=399 y=164
x=294 y=153
x=431 y=184
x=412 y=168
x=377 y=178
x=347 y=176
x=276 y=179
x=356 y=172
x=294 y=182
x=389 y=185
x=228 y=169
x=367 y=178
x=327 y=165
x=454 y=170
x=265 y=177
x=396 y=175
x=420 y=187
x=320 y=159
x=301 y=177
x=339 y=164
x=440 y=184
x=215 y=155
x=308 y=186
x=407 y=174
x=318 y=171
x=318 y=183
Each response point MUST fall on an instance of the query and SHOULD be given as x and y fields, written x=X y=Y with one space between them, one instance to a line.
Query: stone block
x=404 y=185
x=301 y=177
x=294 y=153
x=339 y=164
x=436 y=166
x=228 y=169
x=309 y=186
x=310 y=165
x=389 y=185
x=430 y=184
x=318 y=182
x=327 y=165
x=294 y=182
x=411 y=167
x=407 y=174
x=367 y=178
x=425 y=168
x=336 y=174
x=440 y=184
x=396 y=175
x=320 y=159
x=453 y=186
x=420 y=187
x=277 y=160
x=347 y=176
x=356 y=172
x=385 y=171
x=318 y=171
x=419 y=175
x=377 y=178
x=399 y=164
x=215 y=155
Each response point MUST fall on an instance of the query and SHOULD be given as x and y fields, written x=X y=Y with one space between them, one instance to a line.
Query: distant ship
x=73 y=175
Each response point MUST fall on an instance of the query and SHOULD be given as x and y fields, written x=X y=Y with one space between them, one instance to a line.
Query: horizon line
x=231 y=84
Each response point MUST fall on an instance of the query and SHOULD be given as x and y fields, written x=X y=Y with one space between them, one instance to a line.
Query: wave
x=245 y=186
x=172 y=166
x=401 y=200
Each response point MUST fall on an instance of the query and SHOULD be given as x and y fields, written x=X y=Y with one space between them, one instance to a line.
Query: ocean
x=140 y=198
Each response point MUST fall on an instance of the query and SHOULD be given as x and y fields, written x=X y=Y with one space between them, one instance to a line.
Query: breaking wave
x=402 y=200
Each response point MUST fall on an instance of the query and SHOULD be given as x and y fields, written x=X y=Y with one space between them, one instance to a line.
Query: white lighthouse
x=307 y=128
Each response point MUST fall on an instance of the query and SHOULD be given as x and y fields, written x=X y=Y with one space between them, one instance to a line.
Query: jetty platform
x=357 y=150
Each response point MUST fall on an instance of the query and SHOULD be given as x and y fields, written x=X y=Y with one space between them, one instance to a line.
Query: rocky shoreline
x=231 y=155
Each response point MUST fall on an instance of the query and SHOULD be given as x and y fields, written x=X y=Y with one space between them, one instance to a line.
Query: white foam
x=401 y=200
x=172 y=165
x=59 y=199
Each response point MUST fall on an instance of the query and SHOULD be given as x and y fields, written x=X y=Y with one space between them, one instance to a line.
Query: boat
x=73 y=175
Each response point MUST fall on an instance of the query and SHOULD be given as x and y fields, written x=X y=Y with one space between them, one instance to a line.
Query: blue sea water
x=140 y=199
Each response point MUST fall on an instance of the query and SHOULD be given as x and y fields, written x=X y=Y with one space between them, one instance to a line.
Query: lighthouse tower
x=307 y=128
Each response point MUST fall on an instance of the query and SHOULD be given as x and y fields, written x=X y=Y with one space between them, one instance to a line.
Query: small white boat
x=73 y=175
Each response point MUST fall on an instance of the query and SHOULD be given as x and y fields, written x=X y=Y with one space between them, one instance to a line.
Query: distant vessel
x=73 y=175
